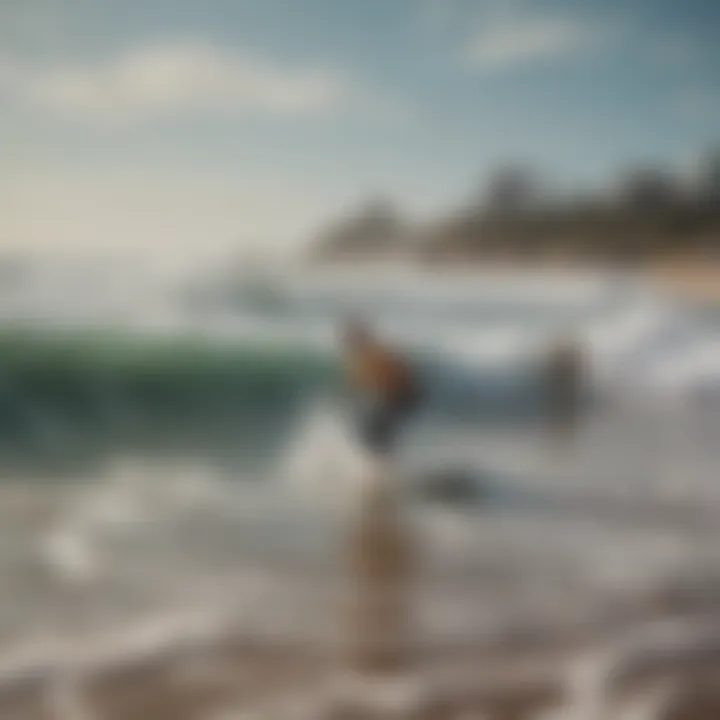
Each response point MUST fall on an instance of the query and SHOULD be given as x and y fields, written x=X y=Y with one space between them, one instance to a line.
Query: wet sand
x=236 y=678
x=662 y=649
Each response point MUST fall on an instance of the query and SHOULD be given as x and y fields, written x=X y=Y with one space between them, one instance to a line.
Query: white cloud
x=515 y=41
x=169 y=78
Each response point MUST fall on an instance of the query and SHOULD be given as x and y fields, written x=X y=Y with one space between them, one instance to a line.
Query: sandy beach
x=696 y=279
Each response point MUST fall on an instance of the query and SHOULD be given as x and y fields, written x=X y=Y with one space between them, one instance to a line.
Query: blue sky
x=202 y=125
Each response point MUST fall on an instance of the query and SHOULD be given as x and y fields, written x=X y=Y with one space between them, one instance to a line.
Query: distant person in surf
x=564 y=385
x=383 y=383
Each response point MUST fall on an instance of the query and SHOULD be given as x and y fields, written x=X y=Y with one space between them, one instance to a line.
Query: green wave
x=64 y=355
x=59 y=387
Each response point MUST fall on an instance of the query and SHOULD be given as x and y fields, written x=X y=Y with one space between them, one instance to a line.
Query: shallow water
x=145 y=453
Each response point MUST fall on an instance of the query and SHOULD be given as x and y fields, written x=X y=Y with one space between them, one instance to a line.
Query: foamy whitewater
x=233 y=517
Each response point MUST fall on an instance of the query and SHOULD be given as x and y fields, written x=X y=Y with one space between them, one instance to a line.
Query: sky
x=191 y=127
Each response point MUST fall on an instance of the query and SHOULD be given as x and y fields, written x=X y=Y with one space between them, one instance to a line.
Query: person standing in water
x=565 y=381
x=380 y=549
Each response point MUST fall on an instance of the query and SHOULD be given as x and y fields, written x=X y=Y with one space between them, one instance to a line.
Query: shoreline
x=693 y=279
x=231 y=676
x=696 y=281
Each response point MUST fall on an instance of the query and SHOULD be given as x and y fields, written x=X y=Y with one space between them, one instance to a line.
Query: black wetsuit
x=382 y=419
x=388 y=395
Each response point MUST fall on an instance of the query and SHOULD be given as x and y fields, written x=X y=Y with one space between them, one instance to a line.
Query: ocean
x=152 y=433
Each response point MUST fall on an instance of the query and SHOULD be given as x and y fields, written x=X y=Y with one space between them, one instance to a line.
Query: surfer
x=383 y=382
x=381 y=548
x=564 y=384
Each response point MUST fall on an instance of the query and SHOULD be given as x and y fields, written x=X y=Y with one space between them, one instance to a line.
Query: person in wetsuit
x=381 y=549
x=565 y=373
x=384 y=385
